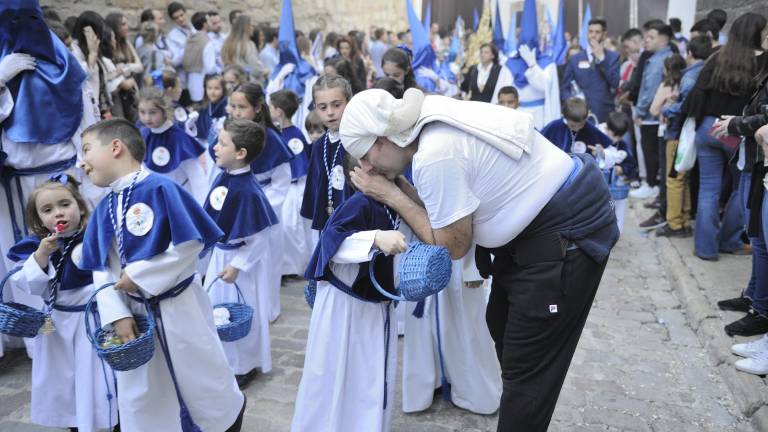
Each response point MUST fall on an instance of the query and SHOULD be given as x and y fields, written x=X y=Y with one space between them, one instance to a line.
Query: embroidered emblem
x=337 y=177
x=553 y=309
x=161 y=156
x=139 y=219
x=296 y=146
x=77 y=255
x=578 y=147
x=180 y=114
x=218 y=195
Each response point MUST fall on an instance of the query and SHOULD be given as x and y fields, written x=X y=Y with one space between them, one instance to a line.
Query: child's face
x=214 y=90
x=239 y=108
x=227 y=155
x=151 y=115
x=508 y=100
x=575 y=126
x=98 y=159
x=230 y=81
x=330 y=104
x=315 y=134
x=56 y=206
x=276 y=114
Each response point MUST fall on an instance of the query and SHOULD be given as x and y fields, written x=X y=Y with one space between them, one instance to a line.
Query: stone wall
x=734 y=8
x=336 y=15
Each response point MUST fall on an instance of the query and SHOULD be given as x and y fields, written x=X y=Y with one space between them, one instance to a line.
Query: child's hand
x=125 y=284
x=48 y=246
x=390 y=242
x=126 y=329
x=229 y=274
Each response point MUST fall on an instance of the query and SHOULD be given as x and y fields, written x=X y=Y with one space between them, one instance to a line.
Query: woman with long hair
x=127 y=64
x=396 y=64
x=723 y=88
x=89 y=46
x=240 y=50
x=347 y=48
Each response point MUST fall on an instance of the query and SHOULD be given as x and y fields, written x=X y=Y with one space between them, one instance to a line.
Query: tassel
x=446 y=389
x=187 y=424
x=385 y=394
x=418 y=311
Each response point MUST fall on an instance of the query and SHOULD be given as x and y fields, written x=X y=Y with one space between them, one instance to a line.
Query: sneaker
x=757 y=365
x=644 y=192
x=666 y=231
x=751 y=349
x=738 y=304
x=743 y=250
x=653 y=222
x=752 y=324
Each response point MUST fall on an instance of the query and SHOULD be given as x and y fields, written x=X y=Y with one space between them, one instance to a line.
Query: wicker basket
x=618 y=191
x=129 y=355
x=17 y=319
x=424 y=270
x=240 y=317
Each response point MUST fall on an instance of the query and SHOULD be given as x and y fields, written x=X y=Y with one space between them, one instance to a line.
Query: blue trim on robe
x=557 y=133
x=209 y=114
x=178 y=218
x=180 y=147
x=246 y=210
x=48 y=102
x=358 y=213
x=72 y=277
x=300 y=163
x=315 y=201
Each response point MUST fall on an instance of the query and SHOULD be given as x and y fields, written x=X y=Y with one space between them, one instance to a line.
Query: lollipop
x=60 y=227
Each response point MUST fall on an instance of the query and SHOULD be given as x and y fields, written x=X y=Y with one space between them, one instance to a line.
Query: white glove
x=190 y=126
x=14 y=64
x=528 y=55
x=285 y=71
x=427 y=73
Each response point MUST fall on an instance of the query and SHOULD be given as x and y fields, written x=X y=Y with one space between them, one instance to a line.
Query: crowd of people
x=167 y=167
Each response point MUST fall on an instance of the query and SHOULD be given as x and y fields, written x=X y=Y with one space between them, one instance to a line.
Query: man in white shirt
x=483 y=175
x=269 y=55
x=177 y=37
x=215 y=36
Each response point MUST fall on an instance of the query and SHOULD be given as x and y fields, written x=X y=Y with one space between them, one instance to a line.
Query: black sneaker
x=245 y=379
x=653 y=222
x=738 y=304
x=666 y=231
x=751 y=325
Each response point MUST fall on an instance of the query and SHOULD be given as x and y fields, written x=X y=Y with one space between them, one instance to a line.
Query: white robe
x=147 y=398
x=276 y=192
x=70 y=383
x=297 y=231
x=342 y=385
x=255 y=263
x=542 y=84
x=469 y=356
x=24 y=156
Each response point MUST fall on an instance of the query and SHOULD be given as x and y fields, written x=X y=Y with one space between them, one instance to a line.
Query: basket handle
x=376 y=283
x=5 y=280
x=91 y=307
x=240 y=296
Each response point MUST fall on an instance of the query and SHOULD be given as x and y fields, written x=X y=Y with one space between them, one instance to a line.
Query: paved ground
x=643 y=364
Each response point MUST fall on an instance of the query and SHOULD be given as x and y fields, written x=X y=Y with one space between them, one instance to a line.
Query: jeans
x=745 y=181
x=712 y=236
x=759 y=291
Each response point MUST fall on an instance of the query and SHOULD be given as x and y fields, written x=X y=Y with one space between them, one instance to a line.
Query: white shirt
x=456 y=174
x=483 y=73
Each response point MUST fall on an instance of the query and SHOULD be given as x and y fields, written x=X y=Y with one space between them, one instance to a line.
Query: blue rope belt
x=229 y=246
x=532 y=104
x=11 y=173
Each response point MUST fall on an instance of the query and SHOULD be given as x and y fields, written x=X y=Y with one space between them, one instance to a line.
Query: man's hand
x=598 y=50
x=720 y=128
x=229 y=274
x=125 y=284
x=14 y=64
x=374 y=185
x=126 y=329
x=390 y=242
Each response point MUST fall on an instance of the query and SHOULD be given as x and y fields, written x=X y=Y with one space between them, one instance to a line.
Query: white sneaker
x=644 y=192
x=757 y=365
x=751 y=349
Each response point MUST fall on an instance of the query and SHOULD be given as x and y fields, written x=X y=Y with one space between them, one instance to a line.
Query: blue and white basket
x=131 y=354
x=619 y=189
x=240 y=317
x=17 y=319
x=424 y=270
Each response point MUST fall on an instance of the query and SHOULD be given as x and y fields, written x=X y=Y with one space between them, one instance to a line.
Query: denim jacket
x=653 y=73
x=674 y=112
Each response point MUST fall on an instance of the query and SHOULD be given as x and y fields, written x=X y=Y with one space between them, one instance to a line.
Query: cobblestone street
x=643 y=363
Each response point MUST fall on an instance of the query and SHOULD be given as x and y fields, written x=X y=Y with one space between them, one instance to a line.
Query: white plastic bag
x=686 y=146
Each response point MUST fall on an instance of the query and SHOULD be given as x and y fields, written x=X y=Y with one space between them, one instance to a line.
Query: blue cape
x=358 y=213
x=48 y=102
x=557 y=133
x=245 y=210
x=276 y=152
x=177 y=219
x=300 y=163
x=71 y=277
x=208 y=114
x=316 y=192
x=180 y=147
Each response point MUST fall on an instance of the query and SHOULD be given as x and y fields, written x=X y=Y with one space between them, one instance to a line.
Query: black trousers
x=650 y=144
x=535 y=315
